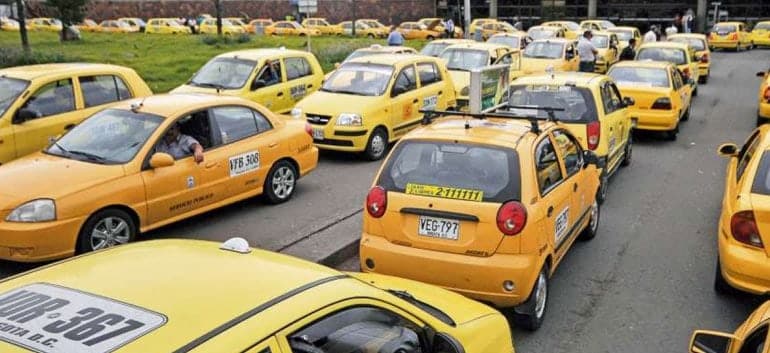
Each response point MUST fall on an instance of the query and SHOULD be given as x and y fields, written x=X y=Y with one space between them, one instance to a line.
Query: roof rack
x=429 y=115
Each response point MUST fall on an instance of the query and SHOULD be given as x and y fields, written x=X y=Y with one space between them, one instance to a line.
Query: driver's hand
x=198 y=155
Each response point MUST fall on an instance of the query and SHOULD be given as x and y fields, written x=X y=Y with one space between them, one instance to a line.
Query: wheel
x=720 y=284
x=593 y=224
x=686 y=115
x=429 y=38
x=106 y=228
x=671 y=134
x=695 y=92
x=704 y=79
x=377 y=145
x=280 y=182
x=371 y=36
x=601 y=194
x=628 y=153
x=530 y=315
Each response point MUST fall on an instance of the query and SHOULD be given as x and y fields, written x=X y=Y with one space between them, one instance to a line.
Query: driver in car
x=179 y=145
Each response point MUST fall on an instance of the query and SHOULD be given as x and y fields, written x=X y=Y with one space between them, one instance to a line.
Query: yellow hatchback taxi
x=743 y=262
x=145 y=163
x=209 y=26
x=662 y=97
x=760 y=34
x=606 y=44
x=448 y=208
x=571 y=29
x=40 y=102
x=513 y=40
x=699 y=42
x=322 y=25
x=763 y=111
x=625 y=33
x=730 y=35
x=114 y=26
x=8 y=24
x=375 y=24
x=680 y=54
x=593 y=110
x=166 y=26
x=44 y=24
x=415 y=30
x=434 y=48
x=275 y=78
x=491 y=28
x=749 y=337
x=371 y=101
x=362 y=30
x=559 y=54
x=143 y=297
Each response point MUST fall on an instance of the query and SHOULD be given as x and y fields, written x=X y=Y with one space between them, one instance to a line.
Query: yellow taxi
x=606 y=44
x=238 y=22
x=145 y=163
x=8 y=24
x=209 y=26
x=44 y=24
x=460 y=59
x=625 y=33
x=545 y=32
x=362 y=30
x=447 y=208
x=40 y=102
x=596 y=25
x=415 y=30
x=274 y=78
x=435 y=47
x=513 y=40
x=730 y=35
x=375 y=49
x=559 y=54
x=371 y=101
x=763 y=111
x=136 y=24
x=699 y=42
x=491 y=28
x=290 y=28
x=680 y=54
x=322 y=25
x=259 y=25
x=760 y=34
x=88 y=25
x=438 y=25
x=478 y=22
x=743 y=261
x=165 y=26
x=374 y=24
x=749 y=337
x=662 y=96
x=254 y=301
x=114 y=26
x=572 y=30
x=593 y=110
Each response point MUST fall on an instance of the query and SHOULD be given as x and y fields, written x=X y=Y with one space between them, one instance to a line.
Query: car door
x=512 y=59
x=582 y=191
x=614 y=123
x=405 y=106
x=573 y=61
x=683 y=96
x=299 y=78
x=554 y=192
x=272 y=92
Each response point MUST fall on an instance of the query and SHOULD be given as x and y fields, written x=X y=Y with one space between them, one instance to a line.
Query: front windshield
x=434 y=49
x=465 y=60
x=600 y=41
x=541 y=33
x=763 y=26
x=725 y=28
x=359 y=79
x=512 y=42
x=623 y=35
x=229 y=73
x=695 y=43
x=672 y=55
x=112 y=136
x=639 y=76
x=607 y=24
x=10 y=89
x=572 y=26
x=543 y=50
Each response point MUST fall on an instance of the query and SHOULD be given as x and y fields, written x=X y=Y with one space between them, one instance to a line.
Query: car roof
x=259 y=54
x=169 y=105
x=560 y=40
x=31 y=72
x=580 y=79
x=489 y=131
x=391 y=60
x=479 y=45
x=688 y=35
x=644 y=63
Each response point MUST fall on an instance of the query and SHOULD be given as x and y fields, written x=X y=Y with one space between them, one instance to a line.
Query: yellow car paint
x=477 y=22
x=545 y=32
x=625 y=33
x=566 y=58
x=491 y=28
x=209 y=26
x=680 y=54
x=290 y=28
x=699 y=42
x=760 y=34
x=44 y=24
x=321 y=25
x=260 y=23
x=729 y=35
x=750 y=336
x=362 y=30
x=8 y=24
x=596 y=25
x=606 y=44
x=572 y=30
x=134 y=22
x=376 y=25
x=88 y=25
x=114 y=26
x=435 y=47
x=415 y=30
x=165 y=26
x=763 y=111
x=513 y=40
x=438 y=25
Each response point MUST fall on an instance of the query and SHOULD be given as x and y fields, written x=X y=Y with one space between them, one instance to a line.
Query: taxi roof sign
x=488 y=88
x=236 y=244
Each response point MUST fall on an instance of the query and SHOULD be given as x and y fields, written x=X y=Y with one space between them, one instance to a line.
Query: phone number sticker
x=444 y=192
x=48 y=318
x=244 y=163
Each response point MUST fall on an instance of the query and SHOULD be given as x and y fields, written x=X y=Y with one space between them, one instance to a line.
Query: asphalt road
x=642 y=285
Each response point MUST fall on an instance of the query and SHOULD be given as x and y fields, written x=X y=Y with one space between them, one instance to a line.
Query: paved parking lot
x=642 y=285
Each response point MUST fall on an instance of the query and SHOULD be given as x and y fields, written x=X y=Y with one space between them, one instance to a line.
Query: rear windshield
x=725 y=28
x=672 y=55
x=577 y=102
x=453 y=170
x=697 y=44
x=762 y=180
x=763 y=25
x=601 y=41
x=639 y=76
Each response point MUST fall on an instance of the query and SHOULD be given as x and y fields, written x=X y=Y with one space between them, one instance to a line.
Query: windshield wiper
x=350 y=92
x=208 y=84
x=90 y=156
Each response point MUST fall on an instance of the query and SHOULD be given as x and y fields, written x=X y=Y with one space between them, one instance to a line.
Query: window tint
x=271 y=73
x=678 y=79
x=428 y=73
x=570 y=152
x=98 y=90
x=610 y=98
x=407 y=79
x=235 y=123
x=755 y=343
x=744 y=157
x=53 y=98
x=296 y=68
x=547 y=166
x=577 y=102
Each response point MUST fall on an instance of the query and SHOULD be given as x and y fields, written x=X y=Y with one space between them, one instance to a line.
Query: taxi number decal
x=408 y=111
x=298 y=91
x=244 y=163
x=561 y=226
x=444 y=192
x=429 y=103
x=48 y=318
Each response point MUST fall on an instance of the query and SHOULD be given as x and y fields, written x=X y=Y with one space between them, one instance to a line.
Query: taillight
x=377 y=201
x=734 y=36
x=704 y=58
x=744 y=229
x=662 y=103
x=511 y=218
x=593 y=132
x=309 y=129
x=767 y=94
x=711 y=35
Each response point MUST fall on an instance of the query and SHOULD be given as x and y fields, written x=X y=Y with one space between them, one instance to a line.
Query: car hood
x=530 y=65
x=45 y=176
x=333 y=104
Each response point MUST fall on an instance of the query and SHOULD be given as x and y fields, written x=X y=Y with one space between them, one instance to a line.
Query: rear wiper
x=90 y=156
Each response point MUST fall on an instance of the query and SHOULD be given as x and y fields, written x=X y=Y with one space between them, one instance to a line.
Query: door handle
x=550 y=211
x=68 y=126
x=211 y=165
x=280 y=94
x=440 y=92
x=415 y=100
x=272 y=145
x=574 y=187
x=310 y=86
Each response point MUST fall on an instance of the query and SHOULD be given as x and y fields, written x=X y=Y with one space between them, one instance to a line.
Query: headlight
x=465 y=91
x=349 y=119
x=42 y=210
x=296 y=113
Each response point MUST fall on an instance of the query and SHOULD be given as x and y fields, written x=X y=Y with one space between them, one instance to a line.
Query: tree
x=22 y=25
x=69 y=12
x=218 y=9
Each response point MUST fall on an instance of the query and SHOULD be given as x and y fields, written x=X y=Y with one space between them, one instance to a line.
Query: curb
x=339 y=256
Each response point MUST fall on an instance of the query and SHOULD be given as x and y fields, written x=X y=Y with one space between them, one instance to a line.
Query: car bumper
x=654 y=119
x=703 y=69
x=729 y=44
x=765 y=40
x=480 y=278
x=764 y=110
x=744 y=267
x=342 y=139
x=601 y=67
x=36 y=242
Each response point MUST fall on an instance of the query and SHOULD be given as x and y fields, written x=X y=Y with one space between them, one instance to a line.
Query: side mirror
x=25 y=114
x=591 y=158
x=710 y=342
x=257 y=84
x=628 y=101
x=397 y=90
x=761 y=74
x=161 y=160
x=727 y=150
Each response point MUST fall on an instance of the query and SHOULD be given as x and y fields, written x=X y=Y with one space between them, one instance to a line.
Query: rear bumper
x=744 y=267
x=480 y=278
x=726 y=44
x=703 y=69
x=654 y=119
x=36 y=242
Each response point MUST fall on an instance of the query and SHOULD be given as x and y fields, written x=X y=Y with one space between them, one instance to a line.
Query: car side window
x=407 y=79
x=744 y=157
x=570 y=152
x=271 y=73
x=236 y=123
x=297 y=68
x=610 y=98
x=359 y=329
x=547 y=166
x=54 y=98
x=428 y=73
x=756 y=341
x=98 y=90
x=677 y=79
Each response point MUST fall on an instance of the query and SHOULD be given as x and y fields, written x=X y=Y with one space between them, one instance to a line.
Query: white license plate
x=318 y=134
x=438 y=228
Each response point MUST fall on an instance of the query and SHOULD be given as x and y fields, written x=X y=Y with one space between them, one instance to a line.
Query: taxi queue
x=482 y=204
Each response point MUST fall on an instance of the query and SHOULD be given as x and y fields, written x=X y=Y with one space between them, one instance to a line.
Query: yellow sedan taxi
x=40 y=102
x=238 y=22
x=447 y=208
x=559 y=54
x=415 y=30
x=362 y=30
x=478 y=22
x=593 y=110
x=434 y=48
x=730 y=35
x=491 y=28
x=749 y=337
x=44 y=24
x=290 y=28
x=438 y=25
x=166 y=26
x=760 y=34
x=572 y=30
x=606 y=44
x=114 y=26
x=371 y=101
x=274 y=78
x=513 y=40
x=662 y=96
x=137 y=24
x=545 y=32
x=322 y=25
x=200 y=296
x=680 y=54
x=374 y=24
x=699 y=42
x=209 y=26
x=144 y=163
x=8 y=24
x=596 y=25
x=625 y=33
x=259 y=25
x=763 y=110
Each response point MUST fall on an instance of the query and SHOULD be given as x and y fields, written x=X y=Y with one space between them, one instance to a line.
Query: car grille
x=318 y=119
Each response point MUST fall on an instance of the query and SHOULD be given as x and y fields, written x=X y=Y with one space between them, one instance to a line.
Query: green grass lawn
x=164 y=61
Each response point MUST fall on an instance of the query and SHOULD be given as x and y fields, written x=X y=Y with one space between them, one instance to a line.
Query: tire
x=601 y=194
x=628 y=153
x=429 y=38
x=686 y=115
x=671 y=134
x=106 y=228
x=704 y=79
x=371 y=36
x=592 y=228
x=720 y=284
x=281 y=182
x=695 y=92
x=531 y=314
x=377 y=145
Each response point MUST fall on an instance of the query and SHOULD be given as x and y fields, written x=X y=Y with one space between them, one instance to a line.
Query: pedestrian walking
x=629 y=52
x=450 y=28
x=395 y=38
x=587 y=52
x=688 y=21
x=650 y=36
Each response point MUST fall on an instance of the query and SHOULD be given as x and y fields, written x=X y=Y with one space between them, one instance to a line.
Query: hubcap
x=594 y=217
x=110 y=231
x=378 y=144
x=540 y=295
x=283 y=182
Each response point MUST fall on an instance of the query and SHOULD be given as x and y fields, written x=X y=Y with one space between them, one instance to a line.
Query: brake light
x=662 y=103
x=744 y=229
x=734 y=36
x=704 y=58
x=377 y=201
x=711 y=35
x=593 y=132
x=309 y=129
x=767 y=94
x=511 y=218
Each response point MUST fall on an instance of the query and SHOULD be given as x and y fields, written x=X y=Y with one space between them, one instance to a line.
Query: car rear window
x=695 y=43
x=672 y=55
x=639 y=76
x=577 y=102
x=762 y=179
x=725 y=28
x=453 y=170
